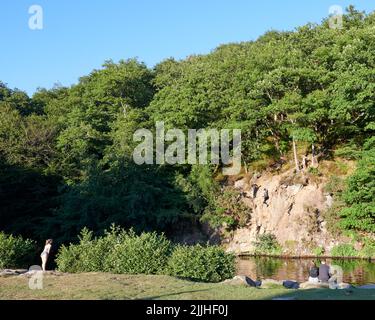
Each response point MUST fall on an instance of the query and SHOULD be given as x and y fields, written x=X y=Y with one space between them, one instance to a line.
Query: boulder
x=269 y=283
x=11 y=272
x=333 y=285
x=239 y=184
x=6 y=273
x=30 y=273
x=310 y=285
x=291 y=284
x=367 y=286
x=344 y=286
x=240 y=280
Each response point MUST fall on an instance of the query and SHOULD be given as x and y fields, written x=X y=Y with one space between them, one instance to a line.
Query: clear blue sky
x=79 y=35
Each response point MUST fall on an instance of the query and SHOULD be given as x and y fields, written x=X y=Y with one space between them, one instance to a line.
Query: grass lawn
x=108 y=286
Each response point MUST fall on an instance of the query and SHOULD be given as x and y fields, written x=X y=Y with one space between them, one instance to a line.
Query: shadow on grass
x=172 y=294
x=327 y=294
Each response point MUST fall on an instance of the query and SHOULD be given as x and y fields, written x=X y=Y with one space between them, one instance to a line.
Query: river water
x=356 y=272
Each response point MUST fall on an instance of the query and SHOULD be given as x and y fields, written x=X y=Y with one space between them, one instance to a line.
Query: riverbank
x=296 y=257
x=104 y=286
x=354 y=271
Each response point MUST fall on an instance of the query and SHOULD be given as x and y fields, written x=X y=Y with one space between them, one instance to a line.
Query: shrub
x=368 y=250
x=359 y=213
x=147 y=253
x=344 y=250
x=348 y=152
x=200 y=263
x=314 y=171
x=318 y=251
x=118 y=251
x=267 y=244
x=15 y=252
x=125 y=252
x=89 y=255
x=335 y=185
x=227 y=210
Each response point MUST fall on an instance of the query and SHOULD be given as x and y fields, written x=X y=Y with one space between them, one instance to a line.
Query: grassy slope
x=108 y=286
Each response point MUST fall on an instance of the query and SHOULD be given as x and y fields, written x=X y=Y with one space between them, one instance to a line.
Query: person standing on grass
x=45 y=253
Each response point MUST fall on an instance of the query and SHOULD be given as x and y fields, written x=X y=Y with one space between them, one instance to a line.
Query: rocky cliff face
x=293 y=213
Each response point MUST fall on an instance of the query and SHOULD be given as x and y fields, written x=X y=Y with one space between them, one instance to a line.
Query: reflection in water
x=355 y=271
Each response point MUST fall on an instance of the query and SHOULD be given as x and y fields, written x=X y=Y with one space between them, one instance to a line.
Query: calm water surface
x=357 y=272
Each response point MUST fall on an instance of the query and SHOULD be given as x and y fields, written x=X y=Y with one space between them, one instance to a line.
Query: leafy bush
x=147 y=253
x=344 y=250
x=267 y=244
x=15 y=252
x=199 y=263
x=368 y=250
x=125 y=252
x=118 y=251
x=335 y=185
x=318 y=251
x=314 y=171
x=89 y=255
x=359 y=213
x=227 y=209
x=348 y=152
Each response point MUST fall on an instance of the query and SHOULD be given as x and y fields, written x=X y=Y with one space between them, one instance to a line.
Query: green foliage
x=318 y=251
x=87 y=256
x=368 y=250
x=68 y=151
x=118 y=251
x=147 y=253
x=125 y=252
x=199 y=263
x=228 y=210
x=26 y=197
x=349 y=152
x=335 y=185
x=314 y=171
x=266 y=244
x=344 y=250
x=15 y=252
x=128 y=195
x=359 y=197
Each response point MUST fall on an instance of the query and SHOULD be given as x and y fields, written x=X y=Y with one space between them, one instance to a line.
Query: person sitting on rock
x=255 y=189
x=324 y=274
x=266 y=196
x=333 y=280
x=314 y=273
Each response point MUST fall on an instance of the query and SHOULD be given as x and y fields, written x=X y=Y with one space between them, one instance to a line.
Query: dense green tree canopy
x=70 y=149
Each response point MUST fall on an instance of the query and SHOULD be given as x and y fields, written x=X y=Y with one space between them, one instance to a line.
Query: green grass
x=118 y=287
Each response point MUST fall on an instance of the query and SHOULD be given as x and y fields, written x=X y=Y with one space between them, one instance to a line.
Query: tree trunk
x=295 y=155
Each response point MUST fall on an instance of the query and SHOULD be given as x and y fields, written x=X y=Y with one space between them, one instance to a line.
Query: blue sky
x=79 y=35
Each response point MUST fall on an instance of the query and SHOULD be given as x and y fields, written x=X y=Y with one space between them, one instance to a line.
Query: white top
x=47 y=248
